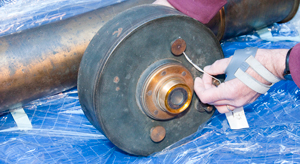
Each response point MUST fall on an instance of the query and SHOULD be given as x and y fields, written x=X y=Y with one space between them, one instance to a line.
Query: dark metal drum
x=131 y=86
x=239 y=17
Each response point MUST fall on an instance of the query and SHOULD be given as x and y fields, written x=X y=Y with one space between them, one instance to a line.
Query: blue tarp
x=61 y=133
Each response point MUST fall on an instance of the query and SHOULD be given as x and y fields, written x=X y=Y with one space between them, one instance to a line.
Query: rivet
x=208 y=108
x=178 y=46
x=157 y=133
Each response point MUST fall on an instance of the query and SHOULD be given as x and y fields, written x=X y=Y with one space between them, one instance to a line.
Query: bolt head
x=157 y=133
x=178 y=46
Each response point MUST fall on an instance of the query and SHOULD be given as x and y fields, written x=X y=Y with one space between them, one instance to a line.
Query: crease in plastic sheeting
x=62 y=134
x=19 y=15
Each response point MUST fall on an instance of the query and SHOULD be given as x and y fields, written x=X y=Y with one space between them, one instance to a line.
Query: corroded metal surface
x=243 y=16
x=157 y=133
x=157 y=83
x=45 y=60
x=292 y=12
x=178 y=46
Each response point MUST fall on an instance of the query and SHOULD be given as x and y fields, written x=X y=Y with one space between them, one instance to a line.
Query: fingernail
x=198 y=79
x=207 y=67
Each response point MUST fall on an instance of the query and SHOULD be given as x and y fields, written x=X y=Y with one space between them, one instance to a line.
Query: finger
x=218 y=67
x=199 y=84
x=236 y=102
x=209 y=95
x=230 y=108
x=224 y=109
x=163 y=2
x=221 y=102
x=207 y=80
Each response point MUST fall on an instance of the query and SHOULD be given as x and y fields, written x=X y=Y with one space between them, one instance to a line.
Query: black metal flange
x=110 y=85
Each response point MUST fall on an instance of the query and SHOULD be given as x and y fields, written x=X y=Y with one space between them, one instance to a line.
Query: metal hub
x=166 y=88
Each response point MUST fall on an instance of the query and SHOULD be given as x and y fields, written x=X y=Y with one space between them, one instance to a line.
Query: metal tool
x=178 y=47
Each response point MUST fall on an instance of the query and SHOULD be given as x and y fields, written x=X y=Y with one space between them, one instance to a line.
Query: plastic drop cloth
x=61 y=133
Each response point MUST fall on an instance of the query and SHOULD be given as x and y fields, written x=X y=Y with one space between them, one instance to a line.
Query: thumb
x=218 y=67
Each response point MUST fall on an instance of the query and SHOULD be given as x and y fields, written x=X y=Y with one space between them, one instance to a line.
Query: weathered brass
x=292 y=12
x=159 y=97
x=239 y=17
x=157 y=133
x=178 y=46
x=45 y=60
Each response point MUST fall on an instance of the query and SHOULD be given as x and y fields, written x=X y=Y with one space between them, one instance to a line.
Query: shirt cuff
x=294 y=64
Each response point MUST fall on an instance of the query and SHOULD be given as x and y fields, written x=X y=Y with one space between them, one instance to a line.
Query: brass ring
x=221 y=30
x=186 y=103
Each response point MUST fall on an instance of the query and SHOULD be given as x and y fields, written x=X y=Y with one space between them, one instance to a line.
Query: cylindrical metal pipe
x=45 y=60
x=239 y=17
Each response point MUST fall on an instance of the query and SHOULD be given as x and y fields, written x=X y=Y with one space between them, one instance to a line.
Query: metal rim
x=155 y=85
x=185 y=98
x=292 y=13
x=221 y=30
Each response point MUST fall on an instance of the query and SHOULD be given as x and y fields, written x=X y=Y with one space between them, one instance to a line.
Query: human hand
x=234 y=93
x=163 y=2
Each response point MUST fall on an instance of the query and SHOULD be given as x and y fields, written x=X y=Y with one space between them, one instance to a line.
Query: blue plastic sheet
x=18 y=15
x=61 y=133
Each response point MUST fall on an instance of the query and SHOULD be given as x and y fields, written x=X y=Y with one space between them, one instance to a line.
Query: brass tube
x=239 y=17
x=45 y=60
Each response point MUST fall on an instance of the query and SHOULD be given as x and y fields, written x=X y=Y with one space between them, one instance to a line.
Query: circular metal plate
x=149 y=81
x=116 y=58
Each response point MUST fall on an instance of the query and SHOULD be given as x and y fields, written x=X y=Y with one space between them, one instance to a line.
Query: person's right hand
x=163 y=2
x=233 y=93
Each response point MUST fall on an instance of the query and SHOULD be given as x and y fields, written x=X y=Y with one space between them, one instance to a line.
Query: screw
x=178 y=46
x=208 y=108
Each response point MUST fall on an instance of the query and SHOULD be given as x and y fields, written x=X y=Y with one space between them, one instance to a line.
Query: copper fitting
x=166 y=91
